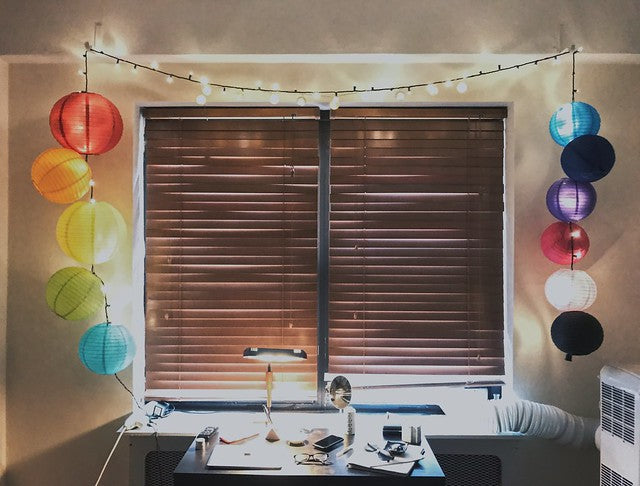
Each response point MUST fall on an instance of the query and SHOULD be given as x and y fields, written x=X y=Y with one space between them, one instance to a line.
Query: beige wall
x=4 y=213
x=76 y=412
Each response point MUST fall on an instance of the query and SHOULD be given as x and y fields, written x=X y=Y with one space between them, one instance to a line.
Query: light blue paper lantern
x=106 y=348
x=573 y=120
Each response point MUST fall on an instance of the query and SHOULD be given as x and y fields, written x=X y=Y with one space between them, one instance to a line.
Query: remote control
x=207 y=433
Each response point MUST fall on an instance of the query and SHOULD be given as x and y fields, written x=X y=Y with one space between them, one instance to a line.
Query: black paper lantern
x=576 y=333
x=588 y=158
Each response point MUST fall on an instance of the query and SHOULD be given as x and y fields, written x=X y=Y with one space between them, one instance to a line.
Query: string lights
x=275 y=91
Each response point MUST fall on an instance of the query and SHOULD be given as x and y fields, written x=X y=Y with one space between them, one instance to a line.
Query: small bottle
x=351 y=420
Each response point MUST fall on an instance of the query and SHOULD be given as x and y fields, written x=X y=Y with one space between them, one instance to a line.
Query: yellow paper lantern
x=90 y=232
x=61 y=175
x=74 y=293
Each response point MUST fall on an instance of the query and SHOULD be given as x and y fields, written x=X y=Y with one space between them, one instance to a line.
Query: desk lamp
x=273 y=355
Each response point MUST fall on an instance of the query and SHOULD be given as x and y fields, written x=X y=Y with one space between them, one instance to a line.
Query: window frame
x=409 y=385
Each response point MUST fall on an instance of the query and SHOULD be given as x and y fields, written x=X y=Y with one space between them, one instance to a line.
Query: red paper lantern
x=557 y=246
x=86 y=122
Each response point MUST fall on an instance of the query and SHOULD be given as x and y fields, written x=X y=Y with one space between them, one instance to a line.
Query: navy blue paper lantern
x=106 y=348
x=588 y=158
x=576 y=333
x=570 y=200
x=573 y=120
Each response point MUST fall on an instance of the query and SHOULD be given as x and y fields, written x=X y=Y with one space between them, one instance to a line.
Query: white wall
x=330 y=26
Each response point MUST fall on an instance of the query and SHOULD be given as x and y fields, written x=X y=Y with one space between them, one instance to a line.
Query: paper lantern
x=570 y=200
x=576 y=333
x=570 y=290
x=61 y=175
x=588 y=158
x=90 y=232
x=106 y=348
x=572 y=120
x=86 y=122
x=74 y=293
x=557 y=245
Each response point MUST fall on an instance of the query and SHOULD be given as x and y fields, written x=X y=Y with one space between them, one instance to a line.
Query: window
x=372 y=238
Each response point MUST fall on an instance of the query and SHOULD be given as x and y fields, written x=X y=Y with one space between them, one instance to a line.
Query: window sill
x=473 y=424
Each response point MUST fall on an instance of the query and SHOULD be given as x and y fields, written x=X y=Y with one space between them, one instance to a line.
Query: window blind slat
x=416 y=241
x=230 y=230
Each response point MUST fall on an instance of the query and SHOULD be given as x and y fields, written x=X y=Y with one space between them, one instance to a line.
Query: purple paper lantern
x=570 y=200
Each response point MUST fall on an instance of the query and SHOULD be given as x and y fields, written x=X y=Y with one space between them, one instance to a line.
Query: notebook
x=238 y=457
x=401 y=465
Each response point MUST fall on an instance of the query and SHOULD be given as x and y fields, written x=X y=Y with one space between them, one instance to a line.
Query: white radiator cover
x=619 y=414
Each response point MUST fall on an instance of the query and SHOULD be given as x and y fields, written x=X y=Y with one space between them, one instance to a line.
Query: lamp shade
x=106 y=348
x=61 y=175
x=570 y=200
x=576 y=333
x=86 y=122
x=572 y=120
x=90 y=232
x=74 y=293
x=570 y=290
x=557 y=246
x=588 y=158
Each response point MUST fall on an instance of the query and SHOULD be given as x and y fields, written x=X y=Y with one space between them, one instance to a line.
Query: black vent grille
x=471 y=469
x=618 y=412
x=159 y=466
x=608 y=477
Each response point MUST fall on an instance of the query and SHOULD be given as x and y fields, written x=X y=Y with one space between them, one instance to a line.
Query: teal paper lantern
x=573 y=120
x=106 y=348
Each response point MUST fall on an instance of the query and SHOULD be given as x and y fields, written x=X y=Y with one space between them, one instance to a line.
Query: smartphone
x=328 y=443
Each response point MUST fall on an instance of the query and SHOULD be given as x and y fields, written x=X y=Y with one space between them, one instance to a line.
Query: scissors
x=371 y=447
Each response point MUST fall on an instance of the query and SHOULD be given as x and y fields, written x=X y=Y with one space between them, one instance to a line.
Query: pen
x=344 y=451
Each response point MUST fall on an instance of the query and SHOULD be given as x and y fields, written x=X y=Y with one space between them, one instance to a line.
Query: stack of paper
x=400 y=465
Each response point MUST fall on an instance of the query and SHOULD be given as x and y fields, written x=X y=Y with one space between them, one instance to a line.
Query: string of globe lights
x=88 y=231
x=275 y=91
x=586 y=157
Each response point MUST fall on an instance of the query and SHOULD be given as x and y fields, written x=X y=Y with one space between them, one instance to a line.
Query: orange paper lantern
x=86 y=122
x=90 y=232
x=61 y=175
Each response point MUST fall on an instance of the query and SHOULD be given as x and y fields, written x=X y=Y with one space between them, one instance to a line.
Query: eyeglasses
x=317 y=458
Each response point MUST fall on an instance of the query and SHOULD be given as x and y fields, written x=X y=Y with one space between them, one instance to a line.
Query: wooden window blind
x=231 y=238
x=416 y=241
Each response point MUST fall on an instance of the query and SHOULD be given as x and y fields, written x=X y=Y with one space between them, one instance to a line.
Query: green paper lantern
x=74 y=293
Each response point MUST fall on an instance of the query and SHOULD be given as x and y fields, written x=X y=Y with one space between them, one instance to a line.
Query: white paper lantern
x=570 y=290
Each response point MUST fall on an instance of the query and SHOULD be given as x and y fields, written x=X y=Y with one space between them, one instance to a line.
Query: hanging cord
x=86 y=71
x=573 y=75
x=573 y=255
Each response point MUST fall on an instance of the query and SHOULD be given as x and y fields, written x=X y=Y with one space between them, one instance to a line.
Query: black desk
x=192 y=470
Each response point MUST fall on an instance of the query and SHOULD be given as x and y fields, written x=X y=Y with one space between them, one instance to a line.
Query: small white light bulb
x=201 y=99
x=274 y=99
x=169 y=79
x=240 y=95
x=448 y=83
x=80 y=72
x=92 y=182
x=275 y=86
x=335 y=103
x=400 y=96
x=92 y=201
x=575 y=234
x=301 y=101
x=432 y=89
x=204 y=80
x=154 y=65
x=206 y=89
x=316 y=96
x=461 y=87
